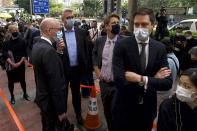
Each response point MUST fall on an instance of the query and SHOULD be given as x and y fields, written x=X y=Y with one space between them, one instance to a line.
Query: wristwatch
x=142 y=82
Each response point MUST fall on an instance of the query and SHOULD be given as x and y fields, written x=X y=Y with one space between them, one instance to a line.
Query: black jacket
x=126 y=108
x=82 y=40
x=49 y=77
x=174 y=113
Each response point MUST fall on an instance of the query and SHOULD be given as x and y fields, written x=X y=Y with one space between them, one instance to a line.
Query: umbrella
x=5 y=15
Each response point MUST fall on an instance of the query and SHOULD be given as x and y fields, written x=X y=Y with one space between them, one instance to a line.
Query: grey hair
x=66 y=10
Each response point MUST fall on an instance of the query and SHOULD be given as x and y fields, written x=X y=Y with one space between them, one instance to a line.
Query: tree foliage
x=92 y=7
x=23 y=4
x=55 y=9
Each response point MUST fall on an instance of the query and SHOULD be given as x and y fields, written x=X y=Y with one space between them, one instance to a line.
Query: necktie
x=143 y=58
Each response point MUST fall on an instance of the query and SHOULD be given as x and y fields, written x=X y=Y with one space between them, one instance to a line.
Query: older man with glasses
x=75 y=58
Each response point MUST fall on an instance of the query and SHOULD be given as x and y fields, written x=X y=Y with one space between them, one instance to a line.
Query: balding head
x=49 y=27
x=48 y=23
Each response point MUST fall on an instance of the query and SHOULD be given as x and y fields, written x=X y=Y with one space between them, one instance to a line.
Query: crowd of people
x=134 y=70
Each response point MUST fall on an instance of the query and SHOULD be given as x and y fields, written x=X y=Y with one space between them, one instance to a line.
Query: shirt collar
x=114 y=39
x=72 y=30
x=147 y=41
x=44 y=38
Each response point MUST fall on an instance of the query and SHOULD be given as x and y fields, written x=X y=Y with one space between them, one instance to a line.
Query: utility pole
x=132 y=7
x=30 y=4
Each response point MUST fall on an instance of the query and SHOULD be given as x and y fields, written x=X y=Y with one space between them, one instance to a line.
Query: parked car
x=188 y=25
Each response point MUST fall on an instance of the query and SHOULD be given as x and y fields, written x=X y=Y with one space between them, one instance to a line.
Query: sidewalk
x=28 y=112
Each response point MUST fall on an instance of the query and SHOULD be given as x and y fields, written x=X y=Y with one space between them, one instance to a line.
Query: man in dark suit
x=102 y=62
x=75 y=58
x=50 y=82
x=136 y=60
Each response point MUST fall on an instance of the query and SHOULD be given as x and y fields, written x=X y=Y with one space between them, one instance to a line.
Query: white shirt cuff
x=146 y=83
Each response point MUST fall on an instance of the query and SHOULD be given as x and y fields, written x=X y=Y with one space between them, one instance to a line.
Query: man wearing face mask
x=49 y=76
x=136 y=60
x=75 y=58
x=102 y=62
x=179 y=113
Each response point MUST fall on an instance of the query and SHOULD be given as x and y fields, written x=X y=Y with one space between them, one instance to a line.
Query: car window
x=186 y=25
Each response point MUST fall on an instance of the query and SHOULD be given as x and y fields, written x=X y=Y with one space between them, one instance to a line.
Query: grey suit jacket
x=98 y=50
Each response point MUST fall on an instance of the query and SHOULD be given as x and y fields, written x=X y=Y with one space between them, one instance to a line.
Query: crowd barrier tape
x=86 y=86
x=13 y=114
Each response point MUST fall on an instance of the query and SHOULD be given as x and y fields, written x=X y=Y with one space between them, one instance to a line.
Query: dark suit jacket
x=126 y=58
x=98 y=50
x=82 y=51
x=49 y=77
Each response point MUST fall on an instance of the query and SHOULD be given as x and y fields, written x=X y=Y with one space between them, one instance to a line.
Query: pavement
x=28 y=112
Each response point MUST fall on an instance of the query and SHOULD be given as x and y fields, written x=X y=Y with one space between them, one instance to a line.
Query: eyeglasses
x=69 y=17
x=60 y=28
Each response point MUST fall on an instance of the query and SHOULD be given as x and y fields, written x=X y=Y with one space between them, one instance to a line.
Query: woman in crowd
x=14 y=52
x=179 y=113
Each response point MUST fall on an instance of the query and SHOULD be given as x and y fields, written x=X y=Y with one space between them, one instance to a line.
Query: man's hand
x=132 y=77
x=62 y=117
x=60 y=46
x=163 y=73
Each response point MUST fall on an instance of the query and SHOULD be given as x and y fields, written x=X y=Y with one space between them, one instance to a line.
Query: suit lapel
x=151 y=54
x=77 y=36
x=66 y=48
x=135 y=52
x=103 y=40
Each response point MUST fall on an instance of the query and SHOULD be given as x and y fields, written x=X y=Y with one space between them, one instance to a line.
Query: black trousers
x=49 y=120
x=74 y=79
x=107 y=94
x=17 y=75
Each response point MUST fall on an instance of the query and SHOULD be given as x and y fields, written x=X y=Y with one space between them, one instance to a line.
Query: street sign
x=41 y=6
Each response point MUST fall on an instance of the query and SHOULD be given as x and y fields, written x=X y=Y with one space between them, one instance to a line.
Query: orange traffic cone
x=92 y=119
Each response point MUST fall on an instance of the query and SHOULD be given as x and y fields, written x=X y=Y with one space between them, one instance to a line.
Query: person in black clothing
x=193 y=56
x=84 y=25
x=179 y=113
x=190 y=42
x=51 y=87
x=14 y=53
x=162 y=22
x=179 y=42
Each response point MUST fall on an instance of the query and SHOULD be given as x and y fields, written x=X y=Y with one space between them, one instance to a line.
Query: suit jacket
x=82 y=41
x=49 y=77
x=98 y=50
x=126 y=58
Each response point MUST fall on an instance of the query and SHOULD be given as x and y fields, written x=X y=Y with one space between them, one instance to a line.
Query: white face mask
x=189 y=37
x=185 y=95
x=141 y=34
x=178 y=34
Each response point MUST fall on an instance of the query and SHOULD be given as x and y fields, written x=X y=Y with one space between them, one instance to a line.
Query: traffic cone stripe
x=97 y=88
x=92 y=108
x=92 y=119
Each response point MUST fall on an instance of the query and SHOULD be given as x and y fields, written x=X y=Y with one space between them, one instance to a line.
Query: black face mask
x=115 y=29
x=15 y=34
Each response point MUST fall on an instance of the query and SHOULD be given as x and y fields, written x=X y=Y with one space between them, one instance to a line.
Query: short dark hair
x=167 y=42
x=145 y=11
x=108 y=18
x=188 y=32
x=192 y=74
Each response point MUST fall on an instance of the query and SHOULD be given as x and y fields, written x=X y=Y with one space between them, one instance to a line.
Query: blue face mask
x=115 y=29
x=59 y=36
x=70 y=22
